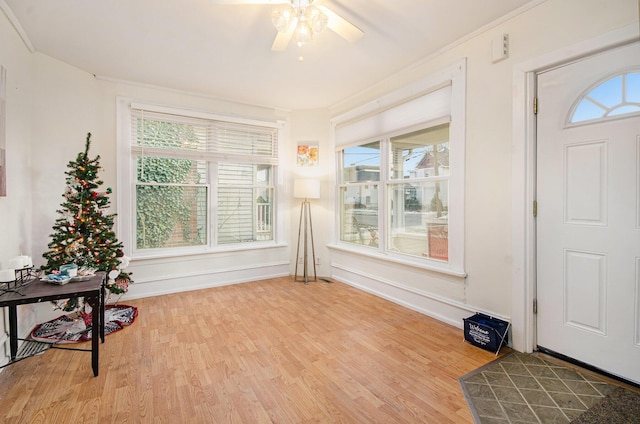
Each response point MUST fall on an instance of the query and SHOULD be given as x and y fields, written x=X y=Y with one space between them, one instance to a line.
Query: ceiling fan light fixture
x=316 y=18
x=282 y=17
x=303 y=33
x=302 y=20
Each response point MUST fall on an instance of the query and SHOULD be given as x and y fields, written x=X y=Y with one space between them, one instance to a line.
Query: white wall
x=312 y=126
x=549 y=26
x=15 y=208
x=15 y=225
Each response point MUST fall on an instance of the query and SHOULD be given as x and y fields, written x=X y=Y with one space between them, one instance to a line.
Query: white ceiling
x=225 y=50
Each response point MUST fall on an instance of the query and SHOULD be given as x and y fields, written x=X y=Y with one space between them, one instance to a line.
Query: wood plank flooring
x=272 y=351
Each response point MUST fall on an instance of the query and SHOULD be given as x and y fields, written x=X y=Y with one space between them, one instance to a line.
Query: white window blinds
x=202 y=138
x=394 y=117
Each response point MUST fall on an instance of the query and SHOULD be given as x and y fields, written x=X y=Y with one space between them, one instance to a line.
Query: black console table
x=40 y=291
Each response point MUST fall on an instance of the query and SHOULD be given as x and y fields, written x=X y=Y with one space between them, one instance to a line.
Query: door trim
x=523 y=172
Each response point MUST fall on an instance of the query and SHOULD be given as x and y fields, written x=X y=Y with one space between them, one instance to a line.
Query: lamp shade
x=306 y=189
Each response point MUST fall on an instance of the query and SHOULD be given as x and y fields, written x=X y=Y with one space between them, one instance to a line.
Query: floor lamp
x=306 y=189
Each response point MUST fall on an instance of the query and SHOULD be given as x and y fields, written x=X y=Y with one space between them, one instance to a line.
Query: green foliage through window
x=170 y=210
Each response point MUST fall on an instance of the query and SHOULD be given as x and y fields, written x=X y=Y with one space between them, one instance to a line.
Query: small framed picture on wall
x=307 y=154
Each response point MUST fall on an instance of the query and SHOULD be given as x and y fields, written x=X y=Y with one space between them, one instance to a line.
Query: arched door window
x=614 y=97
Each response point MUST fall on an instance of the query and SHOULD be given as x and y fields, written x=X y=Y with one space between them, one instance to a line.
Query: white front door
x=588 y=205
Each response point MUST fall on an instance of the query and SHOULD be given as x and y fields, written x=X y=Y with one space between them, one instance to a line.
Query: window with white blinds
x=199 y=181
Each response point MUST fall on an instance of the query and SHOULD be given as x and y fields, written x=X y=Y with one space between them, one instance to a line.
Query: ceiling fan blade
x=341 y=26
x=282 y=38
x=249 y=1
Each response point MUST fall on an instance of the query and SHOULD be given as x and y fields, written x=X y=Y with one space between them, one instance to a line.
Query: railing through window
x=263 y=221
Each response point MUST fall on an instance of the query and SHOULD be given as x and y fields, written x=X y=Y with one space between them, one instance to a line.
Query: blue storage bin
x=486 y=332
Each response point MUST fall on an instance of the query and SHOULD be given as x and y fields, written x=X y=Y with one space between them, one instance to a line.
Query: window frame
x=399 y=103
x=127 y=181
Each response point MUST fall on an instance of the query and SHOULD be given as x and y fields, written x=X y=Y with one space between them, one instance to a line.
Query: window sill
x=429 y=265
x=163 y=254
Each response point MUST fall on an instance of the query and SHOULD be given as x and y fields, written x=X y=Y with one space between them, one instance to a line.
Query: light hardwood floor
x=272 y=351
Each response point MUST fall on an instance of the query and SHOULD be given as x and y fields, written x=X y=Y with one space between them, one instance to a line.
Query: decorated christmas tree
x=83 y=233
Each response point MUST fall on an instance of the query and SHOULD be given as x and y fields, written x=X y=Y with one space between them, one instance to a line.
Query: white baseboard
x=438 y=307
x=169 y=284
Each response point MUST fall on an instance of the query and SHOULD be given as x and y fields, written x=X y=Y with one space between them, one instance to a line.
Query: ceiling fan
x=301 y=20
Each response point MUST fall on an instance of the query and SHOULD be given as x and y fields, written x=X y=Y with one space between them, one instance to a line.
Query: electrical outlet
x=300 y=260
x=317 y=261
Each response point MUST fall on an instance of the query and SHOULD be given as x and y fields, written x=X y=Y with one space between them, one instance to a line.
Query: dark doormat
x=526 y=388
x=620 y=406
